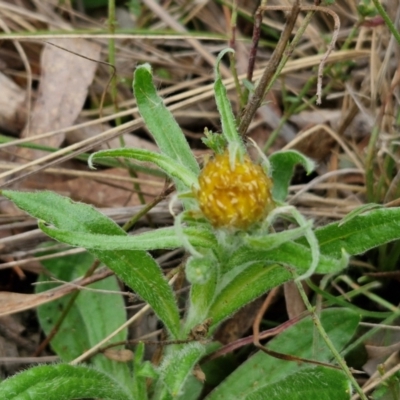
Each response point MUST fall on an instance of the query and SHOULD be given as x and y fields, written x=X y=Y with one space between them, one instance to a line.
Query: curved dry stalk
x=277 y=55
x=281 y=356
x=258 y=96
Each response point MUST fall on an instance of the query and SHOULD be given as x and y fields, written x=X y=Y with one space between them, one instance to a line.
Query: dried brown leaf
x=11 y=103
x=121 y=355
x=294 y=304
x=11 y=303
x=65 y=79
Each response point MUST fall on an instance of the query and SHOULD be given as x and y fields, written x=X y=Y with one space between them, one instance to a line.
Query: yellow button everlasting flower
x=234 y=196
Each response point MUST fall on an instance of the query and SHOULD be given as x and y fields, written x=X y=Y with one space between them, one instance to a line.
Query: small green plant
x=235 y=256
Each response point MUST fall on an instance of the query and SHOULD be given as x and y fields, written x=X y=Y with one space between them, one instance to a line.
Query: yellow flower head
x=234 y=195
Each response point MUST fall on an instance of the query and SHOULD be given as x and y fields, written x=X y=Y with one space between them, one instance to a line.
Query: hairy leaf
x=159 y=120
x=135 y=267
x=61 y=382
x=282 y=167
x=174 y=169
x=265 y=374
x=92 y=317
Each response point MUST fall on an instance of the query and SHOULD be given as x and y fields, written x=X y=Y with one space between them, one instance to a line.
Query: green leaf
x=201 y=296
x=178 y=365
x=283 y=163
x=159 y=120
x=192 y=389
x=163 y=238
x=62 y=211
x=139 y=380
x=251 y=272
x=136 y=268
x=251 y=283
x=228 y=122
x=141 y=272
x=262 y=373
x=174 y=169
x=357 y=235
x=361 y=233
x=292 y=254
x=92 y=317
x=61 y=382
x=359 y=210
x=214 y=141
x=273 y=240
x=312 y=383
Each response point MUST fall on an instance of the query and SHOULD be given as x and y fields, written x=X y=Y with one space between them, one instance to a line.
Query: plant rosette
x=231 y=200
x=227 y=227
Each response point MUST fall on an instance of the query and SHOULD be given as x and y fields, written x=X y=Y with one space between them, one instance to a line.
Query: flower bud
x=234 y=195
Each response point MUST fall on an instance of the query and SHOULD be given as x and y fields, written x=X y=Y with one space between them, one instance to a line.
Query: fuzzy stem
x=326 y=339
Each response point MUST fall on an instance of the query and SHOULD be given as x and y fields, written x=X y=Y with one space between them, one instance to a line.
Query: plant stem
x=328 y=342
x=254 y=45
x=269 y=71
x=111 y=56
x=369 y=163
x=232 y=59
x=387 y=19
x=143 y=212
x=286 y=55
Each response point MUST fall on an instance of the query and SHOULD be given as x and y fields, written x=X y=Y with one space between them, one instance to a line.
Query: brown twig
x=237 y=344
x=277 y=55
x=254 y=43
x=258 y=96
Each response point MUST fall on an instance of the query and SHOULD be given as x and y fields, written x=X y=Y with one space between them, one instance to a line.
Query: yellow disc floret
x=234 y=194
